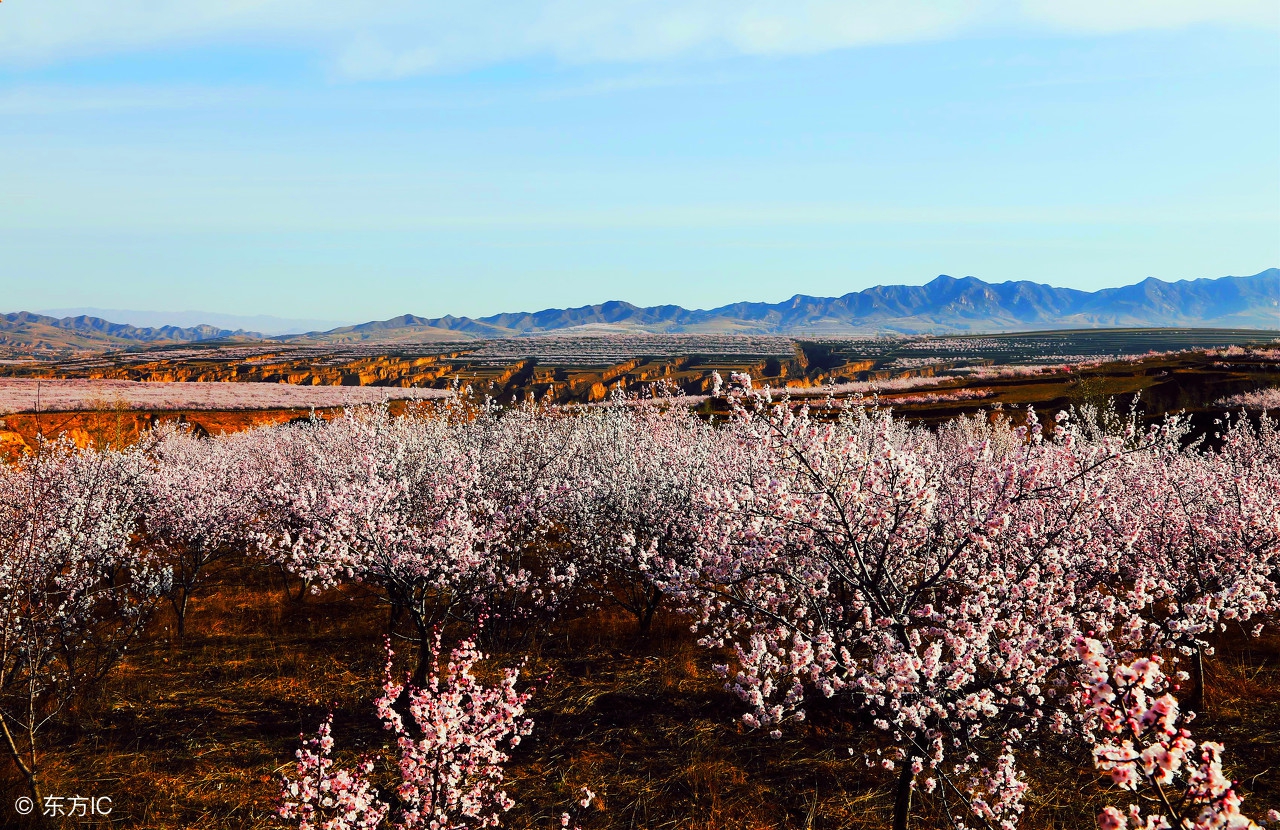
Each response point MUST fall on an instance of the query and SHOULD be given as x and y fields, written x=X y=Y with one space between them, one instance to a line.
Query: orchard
x=967 y=602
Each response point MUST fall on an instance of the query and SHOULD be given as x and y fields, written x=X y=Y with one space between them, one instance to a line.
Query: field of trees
x=585 y=368
x=748 y=612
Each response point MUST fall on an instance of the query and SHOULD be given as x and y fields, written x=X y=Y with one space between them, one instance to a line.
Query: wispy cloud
x=396 y=38
x=51 y=99
x=643 y=79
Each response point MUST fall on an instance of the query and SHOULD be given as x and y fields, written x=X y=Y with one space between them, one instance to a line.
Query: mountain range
x=26 y=333
x=267 y=324
x=945 y=305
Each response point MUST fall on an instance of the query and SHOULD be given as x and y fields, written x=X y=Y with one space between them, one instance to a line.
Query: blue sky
x=362 y=160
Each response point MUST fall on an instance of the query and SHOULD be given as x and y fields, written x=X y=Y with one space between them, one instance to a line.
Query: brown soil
x=194 y=734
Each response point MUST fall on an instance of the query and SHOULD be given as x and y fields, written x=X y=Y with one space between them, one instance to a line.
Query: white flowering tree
x=638 y=501
x=200 y=506
x=74 y=590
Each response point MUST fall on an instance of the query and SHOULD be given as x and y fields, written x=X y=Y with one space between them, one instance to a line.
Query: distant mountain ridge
x=944 y=306
x=36 y=333
x=266 y=324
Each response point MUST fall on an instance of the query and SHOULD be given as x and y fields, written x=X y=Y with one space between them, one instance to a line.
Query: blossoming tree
x=450 y=755
x=74 y=591
x=928 y=580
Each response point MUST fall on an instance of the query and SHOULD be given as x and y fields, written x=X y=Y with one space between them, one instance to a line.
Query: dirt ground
x=195 y=734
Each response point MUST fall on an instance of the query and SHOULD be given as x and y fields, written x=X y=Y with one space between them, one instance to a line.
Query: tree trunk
x=180 y=611
x=1196 y=703
x=652 y=600
x=34 y=783
x=394 y=615
x=419 y=679
x=302 y=589
x=28 y=771
x=425 y=657
x=902 y=799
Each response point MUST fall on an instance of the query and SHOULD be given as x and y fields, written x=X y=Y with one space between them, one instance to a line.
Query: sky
x=361 y=160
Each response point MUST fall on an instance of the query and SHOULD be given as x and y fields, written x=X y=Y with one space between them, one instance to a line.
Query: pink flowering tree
x=449 y=749
x=1140 y=741
x=929 y=581
x=74 y=591
x=450 y=512
x=451 y=759
x=323 y=795
x=1202 y=540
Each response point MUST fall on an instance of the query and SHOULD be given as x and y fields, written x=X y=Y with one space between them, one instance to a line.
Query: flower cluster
x=323 y=796
x=450 y=740
x=1265 y=399
x=1141 y=743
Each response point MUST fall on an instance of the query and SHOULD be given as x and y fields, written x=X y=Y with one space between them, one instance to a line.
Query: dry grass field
x=194 y=734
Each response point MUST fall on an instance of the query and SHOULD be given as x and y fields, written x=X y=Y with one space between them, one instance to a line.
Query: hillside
x=40 y=335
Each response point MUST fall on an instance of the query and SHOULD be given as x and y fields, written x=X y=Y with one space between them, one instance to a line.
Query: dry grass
x=194 y=734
